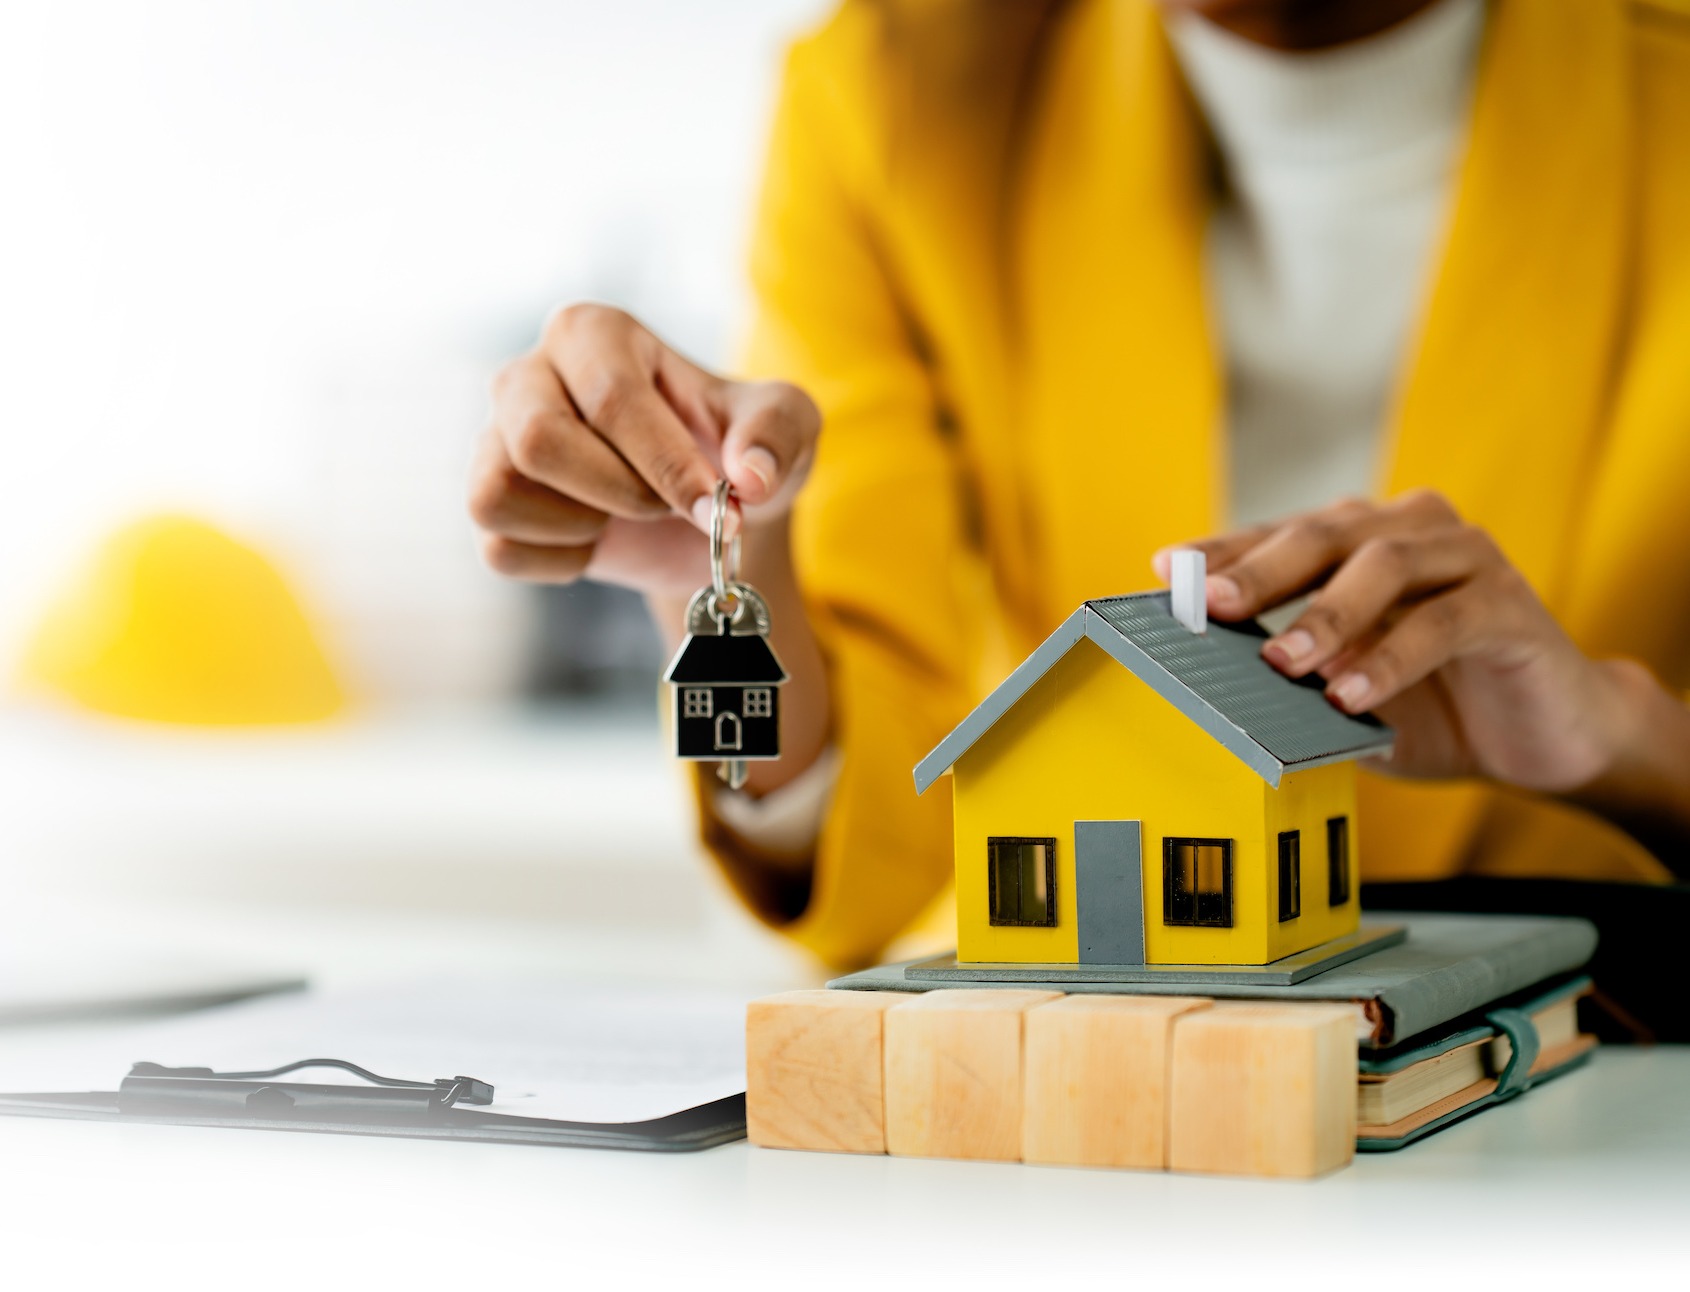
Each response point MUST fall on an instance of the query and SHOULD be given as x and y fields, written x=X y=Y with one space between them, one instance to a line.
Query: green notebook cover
x=1450 y=966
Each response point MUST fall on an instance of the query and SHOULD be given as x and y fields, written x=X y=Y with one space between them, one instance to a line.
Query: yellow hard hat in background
x=175 y=621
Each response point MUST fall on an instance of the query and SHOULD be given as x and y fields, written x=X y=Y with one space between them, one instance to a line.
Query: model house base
x=1286 y=972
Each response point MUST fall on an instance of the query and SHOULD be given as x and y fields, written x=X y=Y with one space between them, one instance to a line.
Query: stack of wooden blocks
x=1152 y=1082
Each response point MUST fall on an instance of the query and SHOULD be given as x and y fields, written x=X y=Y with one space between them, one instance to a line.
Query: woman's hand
x=602 y=460
x=1420 y=618
x=606 y=445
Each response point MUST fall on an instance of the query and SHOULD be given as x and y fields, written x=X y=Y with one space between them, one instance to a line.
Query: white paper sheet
x=570 y=1052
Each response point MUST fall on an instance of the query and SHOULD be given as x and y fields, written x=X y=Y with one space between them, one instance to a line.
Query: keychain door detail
x=725 y=676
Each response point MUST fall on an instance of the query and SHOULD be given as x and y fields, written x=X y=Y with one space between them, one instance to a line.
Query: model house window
x=1021 y=881
x=1338 y=860
x=759 y=702
x=1290 y=874
x=1197 y=882
x=696 y=702
x=727 y=731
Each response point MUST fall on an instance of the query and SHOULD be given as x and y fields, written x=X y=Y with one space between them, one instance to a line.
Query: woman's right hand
x=605 y=448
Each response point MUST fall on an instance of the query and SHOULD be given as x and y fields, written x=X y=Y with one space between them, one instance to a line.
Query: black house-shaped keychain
x=727 y=680
x=727 y=696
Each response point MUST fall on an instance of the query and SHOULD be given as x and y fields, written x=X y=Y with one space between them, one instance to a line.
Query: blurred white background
x=258 y=261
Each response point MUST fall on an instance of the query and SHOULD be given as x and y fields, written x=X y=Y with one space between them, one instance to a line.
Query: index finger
x=1301 y=554
x=609 y=366
x=1221 y=550
x=549 y=444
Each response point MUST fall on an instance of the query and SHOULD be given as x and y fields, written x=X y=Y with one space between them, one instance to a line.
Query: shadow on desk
x=1640 y=968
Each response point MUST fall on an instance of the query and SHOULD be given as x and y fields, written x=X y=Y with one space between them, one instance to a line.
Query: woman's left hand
x=1421 y=619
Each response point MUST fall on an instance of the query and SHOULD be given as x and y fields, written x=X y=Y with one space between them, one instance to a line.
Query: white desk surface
x=1580 y=1178
x=1589 y=1173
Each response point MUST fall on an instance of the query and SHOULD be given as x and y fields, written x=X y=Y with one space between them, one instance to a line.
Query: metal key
x=726 y=677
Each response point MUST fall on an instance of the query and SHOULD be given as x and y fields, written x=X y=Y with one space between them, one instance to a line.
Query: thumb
x=770 y=440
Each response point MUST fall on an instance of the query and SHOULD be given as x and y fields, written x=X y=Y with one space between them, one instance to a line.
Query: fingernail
x=1351 y=690
x=1161 y=562
x=1221 y=588
x=1295 y=645
x=700 y=512
x=760 y=463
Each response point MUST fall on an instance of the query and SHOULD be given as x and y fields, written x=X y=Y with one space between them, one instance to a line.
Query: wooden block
x=953 y=1073
x=813 y=1072
x=1263 y=1089
x=1096 y=1080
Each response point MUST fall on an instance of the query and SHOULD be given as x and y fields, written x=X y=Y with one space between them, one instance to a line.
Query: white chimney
x=1186 y=572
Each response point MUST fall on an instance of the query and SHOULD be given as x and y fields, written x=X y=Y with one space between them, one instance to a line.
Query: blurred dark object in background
x=1642 y=989
x=593 y=640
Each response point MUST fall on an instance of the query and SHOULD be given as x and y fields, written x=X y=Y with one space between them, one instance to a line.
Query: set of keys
x=725 y=675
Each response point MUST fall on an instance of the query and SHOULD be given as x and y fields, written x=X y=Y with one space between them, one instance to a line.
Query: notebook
x=1449 y=966
x=1412 y=1090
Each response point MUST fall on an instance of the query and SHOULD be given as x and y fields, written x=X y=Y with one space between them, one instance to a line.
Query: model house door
x=1109 y=892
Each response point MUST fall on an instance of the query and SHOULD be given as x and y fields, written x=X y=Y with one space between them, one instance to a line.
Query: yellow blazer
x=979 y=247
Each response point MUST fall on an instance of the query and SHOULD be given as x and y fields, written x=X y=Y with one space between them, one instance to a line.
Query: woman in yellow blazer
x=979 y=256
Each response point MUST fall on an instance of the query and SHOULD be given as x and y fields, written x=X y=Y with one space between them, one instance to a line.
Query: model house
x=1147 y=791
x=727 y=697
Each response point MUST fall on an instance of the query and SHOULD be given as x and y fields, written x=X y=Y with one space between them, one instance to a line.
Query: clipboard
x=444 y=1109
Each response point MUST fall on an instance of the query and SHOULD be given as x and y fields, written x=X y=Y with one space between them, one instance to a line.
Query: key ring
x=722 y=555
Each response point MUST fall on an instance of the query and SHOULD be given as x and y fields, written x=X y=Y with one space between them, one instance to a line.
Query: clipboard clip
x=152 y=1088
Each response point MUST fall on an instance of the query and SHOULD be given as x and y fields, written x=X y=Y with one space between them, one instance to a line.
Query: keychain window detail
x=1197 y=882
x=697 y=702
x=759 y=702
x=1021 y=881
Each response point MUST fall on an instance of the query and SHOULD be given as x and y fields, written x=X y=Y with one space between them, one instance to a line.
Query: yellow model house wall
x=1303 y=802
x=1091 y=742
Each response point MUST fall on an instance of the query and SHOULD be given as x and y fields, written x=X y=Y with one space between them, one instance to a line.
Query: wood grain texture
x=1095 y=1088
x=813 y=1070
x=953 y=1073
x=1260 y=1089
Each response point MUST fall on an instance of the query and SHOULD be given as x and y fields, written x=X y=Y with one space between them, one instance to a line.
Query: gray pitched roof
x=1217 y=679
